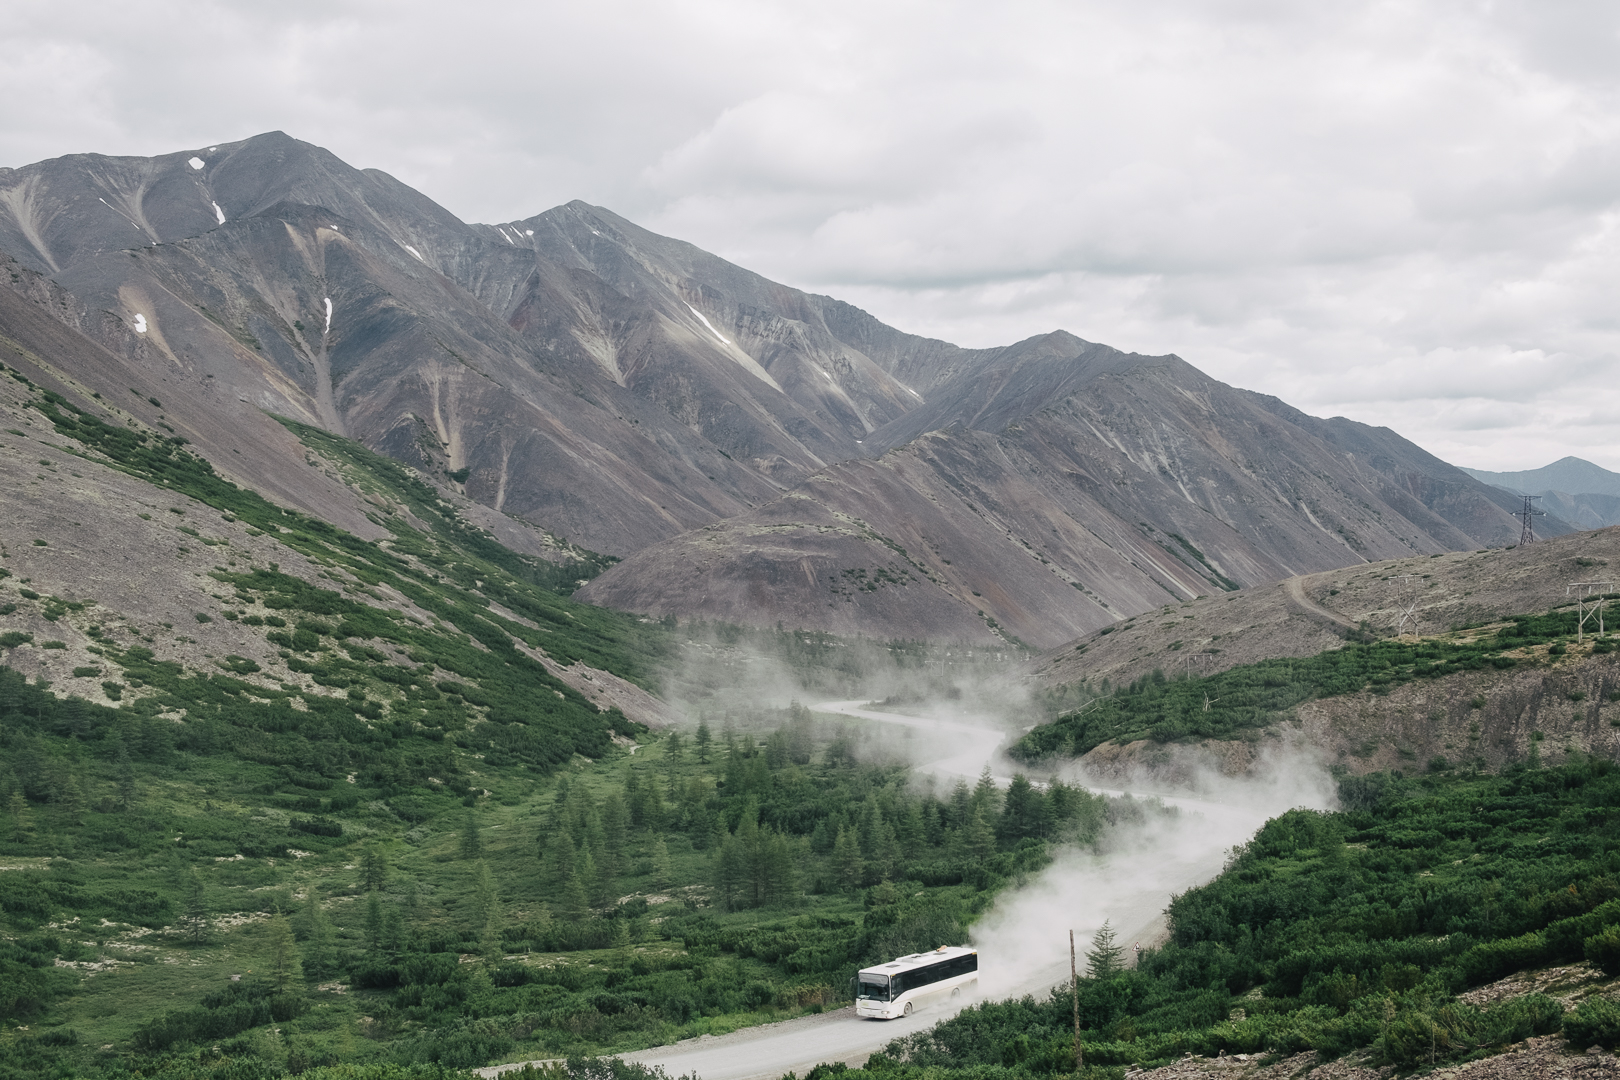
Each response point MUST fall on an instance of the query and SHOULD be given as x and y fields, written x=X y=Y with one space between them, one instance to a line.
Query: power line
x=1527 y=535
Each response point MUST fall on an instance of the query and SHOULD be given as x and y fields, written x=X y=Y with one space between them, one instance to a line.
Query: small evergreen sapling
x=1106 y=956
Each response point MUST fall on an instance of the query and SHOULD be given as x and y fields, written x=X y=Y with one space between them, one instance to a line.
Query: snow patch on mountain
x=218 y=213
x=196 y=163
x=328 y=313
x=413 y=251
x=706 y=323
x=140 y=323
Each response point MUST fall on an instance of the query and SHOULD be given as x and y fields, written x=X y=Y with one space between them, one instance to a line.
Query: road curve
x=1023 y=939
x=1296 y=593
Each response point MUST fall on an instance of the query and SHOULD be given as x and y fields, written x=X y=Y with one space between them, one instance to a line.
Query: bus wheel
x=907 y=1011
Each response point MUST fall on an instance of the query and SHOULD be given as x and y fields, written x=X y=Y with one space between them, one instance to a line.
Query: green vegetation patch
x=1344 y=932
x=1254 y=696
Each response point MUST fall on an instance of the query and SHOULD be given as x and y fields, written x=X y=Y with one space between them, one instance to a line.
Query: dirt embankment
x=1545 y=1058
x=1485 y=718
x=1306 y=615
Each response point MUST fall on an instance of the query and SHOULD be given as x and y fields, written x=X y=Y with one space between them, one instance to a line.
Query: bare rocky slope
x=1556 y=703
x=764 y=454
x=1318 y=611
x=613 y=385
x=1060 y=488
x=91 y=554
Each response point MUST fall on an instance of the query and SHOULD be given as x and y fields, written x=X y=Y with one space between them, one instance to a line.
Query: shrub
x=1603 y=950
x=1595 y=1022
x=317 y=826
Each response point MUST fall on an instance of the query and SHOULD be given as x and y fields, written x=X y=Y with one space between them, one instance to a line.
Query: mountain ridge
x=629 y=392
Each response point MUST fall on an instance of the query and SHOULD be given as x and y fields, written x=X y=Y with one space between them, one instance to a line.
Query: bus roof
x=917 y=960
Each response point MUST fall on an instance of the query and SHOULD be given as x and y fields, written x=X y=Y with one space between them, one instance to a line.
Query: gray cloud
x=1405 y=213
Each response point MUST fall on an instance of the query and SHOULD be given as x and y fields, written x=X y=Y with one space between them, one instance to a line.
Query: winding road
x=1296 y=593
x=1023 y=940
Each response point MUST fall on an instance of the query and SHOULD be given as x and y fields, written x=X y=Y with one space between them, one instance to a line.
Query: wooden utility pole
x=1074 y=991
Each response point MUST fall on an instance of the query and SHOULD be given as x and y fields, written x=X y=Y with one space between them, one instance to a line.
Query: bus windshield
x=874 y=987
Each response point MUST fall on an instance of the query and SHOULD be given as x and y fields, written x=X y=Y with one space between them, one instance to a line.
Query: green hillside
x=400 y=838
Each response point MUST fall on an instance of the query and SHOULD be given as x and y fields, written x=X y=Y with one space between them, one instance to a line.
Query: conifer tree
x=539 y=924
x=393 y=930
x=635 y=802
x=847 y=862
x=886 y=854
x=978 y=840
x=653 y=814
x=590 y=882
x=570 y=900
x=1105 y=957
x=911 y=832
x=126 y=780
x=22 y=821
x=933 y=824
x=821 y=838
x=71 y=796
x=961 y=804
x=562 y=863
x=285 y=966
x=730 y=874
x=319 y=958
x=487 y=914
x=778 y=868
x=472 y=844
x=572 y=903
x=615 y=832
x=662 y=873
x=194 y=918
x=868 y=823
x=986 y=796
x=1024 y=813
x=373 y=869
x=703 y=742
x=374 y=924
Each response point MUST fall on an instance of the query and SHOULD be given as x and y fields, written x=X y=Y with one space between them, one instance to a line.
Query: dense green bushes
x=1339 y=932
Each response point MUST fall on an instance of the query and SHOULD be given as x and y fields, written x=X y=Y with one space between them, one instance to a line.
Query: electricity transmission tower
x=1527 y=535
x=1411 y=601
x=1589 y=599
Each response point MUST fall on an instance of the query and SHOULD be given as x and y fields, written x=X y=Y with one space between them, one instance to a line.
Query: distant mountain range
x=752 y=452
x=1571 y=488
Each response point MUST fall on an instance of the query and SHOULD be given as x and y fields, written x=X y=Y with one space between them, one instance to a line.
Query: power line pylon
x=1589 y=599
x=1527 y=535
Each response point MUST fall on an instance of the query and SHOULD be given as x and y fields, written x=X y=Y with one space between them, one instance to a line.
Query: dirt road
x=1022 y=941
x=1296 y=593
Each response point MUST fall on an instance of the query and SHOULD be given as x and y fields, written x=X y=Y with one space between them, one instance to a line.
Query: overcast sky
x=1404 y=213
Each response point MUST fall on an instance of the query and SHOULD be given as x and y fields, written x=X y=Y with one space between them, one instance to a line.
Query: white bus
x=893 y=989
